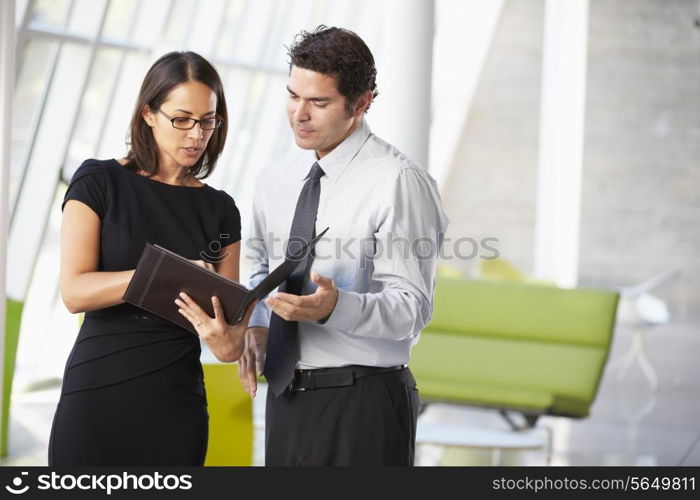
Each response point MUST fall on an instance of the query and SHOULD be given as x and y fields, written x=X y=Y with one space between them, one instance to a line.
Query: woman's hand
x=225 y=341
x=204 y=264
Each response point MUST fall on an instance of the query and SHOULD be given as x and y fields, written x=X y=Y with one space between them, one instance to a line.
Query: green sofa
x=515 y=346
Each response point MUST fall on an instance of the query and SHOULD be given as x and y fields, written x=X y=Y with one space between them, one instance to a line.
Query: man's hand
x=317 y=306
x=252 y=362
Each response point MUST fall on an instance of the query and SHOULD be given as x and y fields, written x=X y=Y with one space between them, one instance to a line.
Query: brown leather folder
x=161 y=275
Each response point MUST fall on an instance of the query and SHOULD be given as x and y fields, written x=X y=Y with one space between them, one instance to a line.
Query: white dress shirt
x=386 y=225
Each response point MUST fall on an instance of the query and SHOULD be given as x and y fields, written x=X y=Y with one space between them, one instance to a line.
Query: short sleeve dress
x=133 y=389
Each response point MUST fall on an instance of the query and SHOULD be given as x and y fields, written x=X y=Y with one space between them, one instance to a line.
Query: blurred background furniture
x=642 y=311
x=495 y=440
x=517 y=347
x=230 y=417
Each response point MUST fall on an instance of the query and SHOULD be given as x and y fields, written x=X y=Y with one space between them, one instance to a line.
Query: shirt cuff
x=260 y=316
x=347 y=309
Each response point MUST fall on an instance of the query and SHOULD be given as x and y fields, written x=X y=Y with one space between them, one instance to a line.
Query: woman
x=133 y=391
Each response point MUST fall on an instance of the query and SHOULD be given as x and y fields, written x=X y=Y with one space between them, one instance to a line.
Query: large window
x=80 y=64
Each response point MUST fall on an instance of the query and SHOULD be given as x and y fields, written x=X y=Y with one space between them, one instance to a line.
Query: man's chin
x=304 y=143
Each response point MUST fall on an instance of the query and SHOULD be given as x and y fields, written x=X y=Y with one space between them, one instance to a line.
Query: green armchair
x=230 y=417
x=525 y=347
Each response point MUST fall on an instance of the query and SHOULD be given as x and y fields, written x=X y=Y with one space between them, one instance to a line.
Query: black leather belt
x=335 y=377
x=132 y=313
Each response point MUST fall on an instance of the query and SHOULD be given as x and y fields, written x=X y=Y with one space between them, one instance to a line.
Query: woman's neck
x=176 y=176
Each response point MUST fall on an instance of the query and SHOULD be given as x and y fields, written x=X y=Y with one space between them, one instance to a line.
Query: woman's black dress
x=133 y=390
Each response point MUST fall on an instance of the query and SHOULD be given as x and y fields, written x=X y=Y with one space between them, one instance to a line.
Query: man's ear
x=148 y=116
x=362 y=103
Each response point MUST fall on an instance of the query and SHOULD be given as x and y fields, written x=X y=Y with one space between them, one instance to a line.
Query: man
x=341 y=328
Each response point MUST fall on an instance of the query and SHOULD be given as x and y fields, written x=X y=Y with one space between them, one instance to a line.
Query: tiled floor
x=630 y=424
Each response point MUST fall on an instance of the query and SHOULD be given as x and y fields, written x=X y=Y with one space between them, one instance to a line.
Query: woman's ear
x=148 y=116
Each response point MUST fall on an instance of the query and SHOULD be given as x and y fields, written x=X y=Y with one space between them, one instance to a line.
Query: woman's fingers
x=193 y=309
x=218 y=309
x=187 y=314
x=205 y=264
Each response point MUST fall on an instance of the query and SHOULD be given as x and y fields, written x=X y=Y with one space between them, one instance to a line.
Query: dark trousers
x=372 y=422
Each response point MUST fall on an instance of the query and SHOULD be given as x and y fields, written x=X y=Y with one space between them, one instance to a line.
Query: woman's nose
x=196 y=132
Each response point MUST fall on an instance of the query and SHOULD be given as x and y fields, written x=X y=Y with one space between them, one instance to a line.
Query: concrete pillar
x=561 y=141
x=401 y=115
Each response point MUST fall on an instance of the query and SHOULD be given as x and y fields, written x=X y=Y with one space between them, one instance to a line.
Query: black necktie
x=282 y=340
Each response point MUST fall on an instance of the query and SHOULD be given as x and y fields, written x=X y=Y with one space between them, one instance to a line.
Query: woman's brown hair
x=169 y=71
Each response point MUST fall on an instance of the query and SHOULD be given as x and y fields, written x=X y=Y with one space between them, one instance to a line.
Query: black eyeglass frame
x=219 y=121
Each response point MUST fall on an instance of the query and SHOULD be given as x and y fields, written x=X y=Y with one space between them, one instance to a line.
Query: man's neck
x=353 y=127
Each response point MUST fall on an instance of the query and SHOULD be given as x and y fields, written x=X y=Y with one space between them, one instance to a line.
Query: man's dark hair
x=339 y=53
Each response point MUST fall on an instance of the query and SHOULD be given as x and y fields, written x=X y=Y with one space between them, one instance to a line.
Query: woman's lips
x=192 y=151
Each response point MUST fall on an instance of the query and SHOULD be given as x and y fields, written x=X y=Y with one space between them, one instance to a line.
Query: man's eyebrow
x=314 y=99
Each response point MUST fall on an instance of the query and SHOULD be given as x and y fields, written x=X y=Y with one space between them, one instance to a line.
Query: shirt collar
x=335 y=162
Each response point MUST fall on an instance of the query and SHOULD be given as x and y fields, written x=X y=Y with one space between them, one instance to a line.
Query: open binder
x=161 y=275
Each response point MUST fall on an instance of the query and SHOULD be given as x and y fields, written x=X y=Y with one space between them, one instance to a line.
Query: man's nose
x=301 y=113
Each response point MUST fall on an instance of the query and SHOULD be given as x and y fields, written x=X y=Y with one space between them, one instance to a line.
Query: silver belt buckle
x=295 y=389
